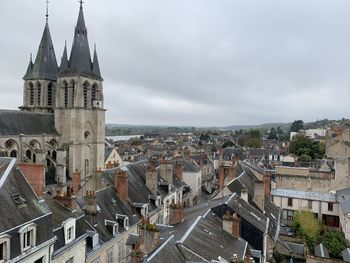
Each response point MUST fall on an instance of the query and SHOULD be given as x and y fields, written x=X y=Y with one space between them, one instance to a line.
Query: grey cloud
x=197 y=62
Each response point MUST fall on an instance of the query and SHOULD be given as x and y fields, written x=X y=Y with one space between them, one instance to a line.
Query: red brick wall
x=35 y=175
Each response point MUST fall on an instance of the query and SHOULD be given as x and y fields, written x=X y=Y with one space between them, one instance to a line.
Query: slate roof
x=167 y=253
x=346 y=254
x=80 y=57
x=45 y=65
x=343 y=197
x=189 y=166
x=325 y=197
x=28 y=123
x=207 y=239
x=321 y=251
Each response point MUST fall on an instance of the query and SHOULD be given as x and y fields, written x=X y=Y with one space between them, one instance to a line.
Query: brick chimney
x=121 y=182
x=235 y=225
x=75 y=182
x=179 y=171
x=152 y=177
x=221 y=177
x=35 y=175
x=221 y=156
x=90 y=206
x=166 y=170
x=136 y=254
x=67 y=199
x=267 y=185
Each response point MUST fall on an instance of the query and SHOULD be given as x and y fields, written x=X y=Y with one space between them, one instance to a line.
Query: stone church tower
x=79 y=113
x=72 y=95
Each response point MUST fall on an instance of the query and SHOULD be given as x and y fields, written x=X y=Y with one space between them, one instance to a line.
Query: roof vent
x=17 y=198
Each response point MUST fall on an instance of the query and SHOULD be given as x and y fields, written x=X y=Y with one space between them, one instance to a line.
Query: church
x=62 y=120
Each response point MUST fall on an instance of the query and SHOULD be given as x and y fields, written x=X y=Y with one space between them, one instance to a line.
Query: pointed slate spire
x=45 y=65
x=64 y=60
x=80 y=58
x=29 y=68
x=95 y=65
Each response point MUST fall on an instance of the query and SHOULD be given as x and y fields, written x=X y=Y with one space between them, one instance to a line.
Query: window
x=290 y=201
x=66 y=95
x=40 y=260
x=93 y=93
x=85 y=92
x=39 y=94
x=120 y=251
x=27 y=236
x=49 y=95
x=4 y=248
x=330 y=206
x=290 y=215
x=110 y=255
x=31 y=94
x=71 y=260
x=69 y=230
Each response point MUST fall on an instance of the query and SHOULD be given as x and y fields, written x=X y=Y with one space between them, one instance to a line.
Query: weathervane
x=81 y=3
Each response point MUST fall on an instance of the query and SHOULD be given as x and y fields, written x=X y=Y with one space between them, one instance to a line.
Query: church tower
x=79 y=112
x=40 y=80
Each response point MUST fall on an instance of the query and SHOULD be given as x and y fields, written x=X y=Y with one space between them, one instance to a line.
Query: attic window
x=17 y=198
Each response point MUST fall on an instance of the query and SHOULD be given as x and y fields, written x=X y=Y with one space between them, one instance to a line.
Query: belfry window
x=85 y=91
x=39 y=94
x=66 y=95
x=49 y=95
x=93 y=93
x=31 y=94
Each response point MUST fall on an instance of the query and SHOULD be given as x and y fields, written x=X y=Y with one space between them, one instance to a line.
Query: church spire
x=64 y=59
x=95 y=65
x=30 y=67
x=80 y=58
x=45 y=65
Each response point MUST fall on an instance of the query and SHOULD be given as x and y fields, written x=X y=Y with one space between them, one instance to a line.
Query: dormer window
x=27 y=237
x=4 y=248
x=69 y=230
x=112 y=226
x=123 y=220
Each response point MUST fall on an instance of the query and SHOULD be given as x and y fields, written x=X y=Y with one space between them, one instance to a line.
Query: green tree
x=305 y=158
x=308 y=227
x=254 y=133
x=254 y=143
x=303 y=145
x=335 y=242
x=228 y=144
x=297 y=126
x=273 y=134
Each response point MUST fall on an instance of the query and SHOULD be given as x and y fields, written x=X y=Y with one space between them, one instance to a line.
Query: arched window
x=66 y=95
x=49 y=94
x=13 y=154
x=72 y=86
x=31 y=94
x=39 y=94
x=85 y=92
x=34 y=158
x=54 y=155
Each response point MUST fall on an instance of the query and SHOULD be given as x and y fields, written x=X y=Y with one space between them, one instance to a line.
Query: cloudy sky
x=196 y=62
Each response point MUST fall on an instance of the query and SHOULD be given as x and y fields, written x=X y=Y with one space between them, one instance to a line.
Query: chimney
x=67 y=199
x=221 y=156
x=233 y=160
x=35 y=175
x=221 y=177
x=259 y=194
x=235 y=225
x=247 y=258
x=76 y=182
x=90 y=206
x=136 y=254
x=152 y=177
x=166 y=171
x=230 y=224
x=267 y=185
x=231 y=172
x=179 y=171
x=244 y=194
x=61 y=167
x=122 y=185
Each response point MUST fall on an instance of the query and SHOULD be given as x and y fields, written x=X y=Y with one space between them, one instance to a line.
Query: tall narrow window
x=93 y=93
x=49 y=95
x=39 y=94
x=85 y=91
x=66 y=95
x=72 y=96
x=31 y=94
x=87 y=168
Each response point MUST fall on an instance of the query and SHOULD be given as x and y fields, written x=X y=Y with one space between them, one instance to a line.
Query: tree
x=228 y=144
x=254 y=143
x=303 y=145
x=305 y=158
x=308 y=227
x=254 y=133
x=335 y=242
x=297 y=126
x=273 y=134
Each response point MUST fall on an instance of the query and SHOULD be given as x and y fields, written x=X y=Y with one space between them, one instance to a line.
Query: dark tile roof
x=167 y=253
x=28 y=123
x=45 y=65
x=108 y=151
x=207 y=239
x=189 y=166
